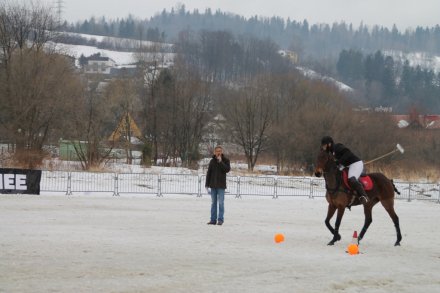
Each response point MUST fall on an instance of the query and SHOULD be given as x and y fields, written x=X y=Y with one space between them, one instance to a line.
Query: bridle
x=330 y=160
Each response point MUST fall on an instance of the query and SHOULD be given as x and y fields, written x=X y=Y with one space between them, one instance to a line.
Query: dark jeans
x=217 y=196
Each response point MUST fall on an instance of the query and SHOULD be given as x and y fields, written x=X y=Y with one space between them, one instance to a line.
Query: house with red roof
x=429 y=122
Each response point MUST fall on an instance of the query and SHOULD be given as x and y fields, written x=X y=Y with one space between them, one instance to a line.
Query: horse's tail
x=394 y=186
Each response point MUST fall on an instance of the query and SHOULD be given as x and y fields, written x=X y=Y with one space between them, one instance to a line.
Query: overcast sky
x=403 y=13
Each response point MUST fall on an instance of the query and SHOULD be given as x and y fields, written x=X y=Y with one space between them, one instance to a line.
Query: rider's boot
x=357 y=186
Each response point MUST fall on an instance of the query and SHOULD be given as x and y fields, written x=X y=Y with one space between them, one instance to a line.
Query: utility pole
x=59 y=10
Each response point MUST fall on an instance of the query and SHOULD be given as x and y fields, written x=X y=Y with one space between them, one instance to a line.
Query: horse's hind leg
x=389 y=207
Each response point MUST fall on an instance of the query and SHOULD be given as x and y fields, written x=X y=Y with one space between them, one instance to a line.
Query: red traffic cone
x=355 y=237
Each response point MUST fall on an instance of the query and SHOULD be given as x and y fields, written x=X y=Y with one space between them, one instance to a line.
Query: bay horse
x=339 y=196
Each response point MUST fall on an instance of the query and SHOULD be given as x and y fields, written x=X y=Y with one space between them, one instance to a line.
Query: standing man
x=216 y=184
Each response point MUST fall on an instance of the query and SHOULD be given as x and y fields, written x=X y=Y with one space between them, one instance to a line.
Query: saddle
x=366 y=181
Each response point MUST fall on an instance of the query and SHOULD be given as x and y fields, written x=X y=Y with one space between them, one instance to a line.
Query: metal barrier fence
x=179 y=184
x=137 y=183
x=419 y=191
x=92 y=182
x=238 y=186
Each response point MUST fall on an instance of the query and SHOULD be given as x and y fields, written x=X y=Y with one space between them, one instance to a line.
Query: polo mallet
x=398 y=148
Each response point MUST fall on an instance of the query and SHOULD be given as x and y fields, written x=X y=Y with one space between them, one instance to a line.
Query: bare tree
x=121 y=93
x=151 y=62
x=33 y=82
x=24 y=27
x=181 y=111
x=308 y=110
x=193 y=97
x=35 y=92
x=167 y=116
x=249 y=111
x=89 y=118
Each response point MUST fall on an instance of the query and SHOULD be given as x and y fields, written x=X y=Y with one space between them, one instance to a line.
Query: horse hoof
x=336 y=238
x=397 y=243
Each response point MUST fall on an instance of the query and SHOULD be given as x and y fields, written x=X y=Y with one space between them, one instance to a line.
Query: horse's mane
x=331 y=160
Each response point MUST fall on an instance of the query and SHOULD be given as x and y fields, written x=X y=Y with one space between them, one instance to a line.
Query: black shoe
x=211 y=223
x=220 y=223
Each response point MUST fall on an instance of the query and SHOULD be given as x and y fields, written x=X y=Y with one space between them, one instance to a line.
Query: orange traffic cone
x=353 y=247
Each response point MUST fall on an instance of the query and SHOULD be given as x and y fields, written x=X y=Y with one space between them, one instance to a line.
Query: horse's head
x=323 y=162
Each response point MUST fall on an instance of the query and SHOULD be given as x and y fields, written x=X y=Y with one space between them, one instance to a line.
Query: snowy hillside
x=315 y=75
x=422 y=59
x=129 y=43
x=128 y=58
x=120 y=58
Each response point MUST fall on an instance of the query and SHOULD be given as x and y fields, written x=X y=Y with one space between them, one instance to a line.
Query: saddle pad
x=364 y=179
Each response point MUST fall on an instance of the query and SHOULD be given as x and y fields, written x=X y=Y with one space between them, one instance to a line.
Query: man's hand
x=219 y=159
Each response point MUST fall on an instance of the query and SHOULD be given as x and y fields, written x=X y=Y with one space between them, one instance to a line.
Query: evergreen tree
x=388 y=78
x=350 y=65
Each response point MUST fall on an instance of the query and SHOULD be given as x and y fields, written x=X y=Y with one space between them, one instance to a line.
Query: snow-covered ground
x=98 y=243
x=315 y=75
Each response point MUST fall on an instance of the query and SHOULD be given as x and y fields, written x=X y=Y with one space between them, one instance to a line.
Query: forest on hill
x=357 y=56
x=318 y=40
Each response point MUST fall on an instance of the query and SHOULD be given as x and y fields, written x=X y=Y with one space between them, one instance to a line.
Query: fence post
x=199 y=194
x=69 y=183
x=116 y=191
x=311 y=189
x=238 y=188
x=438 y=199
x=275 y=194
x=159 y=188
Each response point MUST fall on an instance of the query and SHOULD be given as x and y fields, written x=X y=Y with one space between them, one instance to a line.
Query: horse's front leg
x=336 y=236
x=368 y=220
x=330 y=212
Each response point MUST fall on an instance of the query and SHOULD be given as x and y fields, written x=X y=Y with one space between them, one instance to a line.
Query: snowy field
x=121 y=58
x=101 y=243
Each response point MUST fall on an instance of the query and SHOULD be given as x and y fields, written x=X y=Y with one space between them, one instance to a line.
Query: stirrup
x=363 y=199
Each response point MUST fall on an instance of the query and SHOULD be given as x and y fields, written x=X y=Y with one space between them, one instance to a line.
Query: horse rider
x=345 y=158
